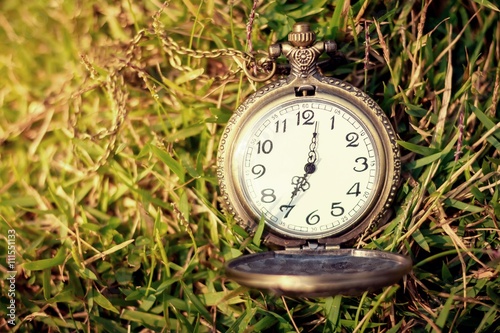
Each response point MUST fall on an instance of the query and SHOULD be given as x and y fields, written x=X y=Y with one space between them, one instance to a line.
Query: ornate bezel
x=324 y=86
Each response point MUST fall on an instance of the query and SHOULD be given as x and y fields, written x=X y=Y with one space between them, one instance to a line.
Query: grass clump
x=108 y=142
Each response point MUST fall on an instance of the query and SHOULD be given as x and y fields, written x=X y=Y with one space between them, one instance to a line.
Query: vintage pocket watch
x=317 y=160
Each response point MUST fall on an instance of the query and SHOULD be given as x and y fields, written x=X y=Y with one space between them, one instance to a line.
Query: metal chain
x=169 y=43
x=173 y=50
x=114 y=83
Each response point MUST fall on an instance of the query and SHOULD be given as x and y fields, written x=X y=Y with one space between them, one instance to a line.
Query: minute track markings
x=287 y=144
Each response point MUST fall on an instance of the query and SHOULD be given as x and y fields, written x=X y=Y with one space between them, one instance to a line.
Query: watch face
x=311 y=167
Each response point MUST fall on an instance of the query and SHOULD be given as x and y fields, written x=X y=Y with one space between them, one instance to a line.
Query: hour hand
x=301 y=184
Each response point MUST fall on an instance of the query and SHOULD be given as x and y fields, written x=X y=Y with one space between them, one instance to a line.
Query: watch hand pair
x=300 y=182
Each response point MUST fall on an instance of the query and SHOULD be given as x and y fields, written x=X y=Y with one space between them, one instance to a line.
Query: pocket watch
x=316 y=160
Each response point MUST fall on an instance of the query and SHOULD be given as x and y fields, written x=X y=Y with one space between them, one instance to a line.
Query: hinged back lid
x=317 y=273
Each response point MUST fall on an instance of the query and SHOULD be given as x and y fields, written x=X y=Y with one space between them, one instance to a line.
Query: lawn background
x=108 y=143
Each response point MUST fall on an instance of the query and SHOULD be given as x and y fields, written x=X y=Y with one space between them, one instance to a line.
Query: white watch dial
x=310 y=167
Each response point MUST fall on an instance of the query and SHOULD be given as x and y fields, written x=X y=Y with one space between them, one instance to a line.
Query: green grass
x=108 y=144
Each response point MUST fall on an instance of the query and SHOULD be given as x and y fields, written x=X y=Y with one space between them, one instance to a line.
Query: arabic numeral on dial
x=268 y=195
x=264 y=147
x=259 y=170
x=307 y=116
x=313 y=218
x=287 y=209
x=362 y=164
x=337 y=209
x=354 y=190
x=352 y=139
x=280 y=126
x=333 y=122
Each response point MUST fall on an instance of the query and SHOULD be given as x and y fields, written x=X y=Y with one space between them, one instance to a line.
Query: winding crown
x=301 y=35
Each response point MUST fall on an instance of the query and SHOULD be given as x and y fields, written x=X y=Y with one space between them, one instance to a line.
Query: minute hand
x=310 y=166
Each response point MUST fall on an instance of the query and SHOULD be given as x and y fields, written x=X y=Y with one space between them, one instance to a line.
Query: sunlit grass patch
x=108 y=145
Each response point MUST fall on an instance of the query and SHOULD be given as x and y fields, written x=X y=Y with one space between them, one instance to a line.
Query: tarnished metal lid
x=320 y=272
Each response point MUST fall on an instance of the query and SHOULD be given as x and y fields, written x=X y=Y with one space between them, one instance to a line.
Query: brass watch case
x=312 y=266
x=329 y=89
